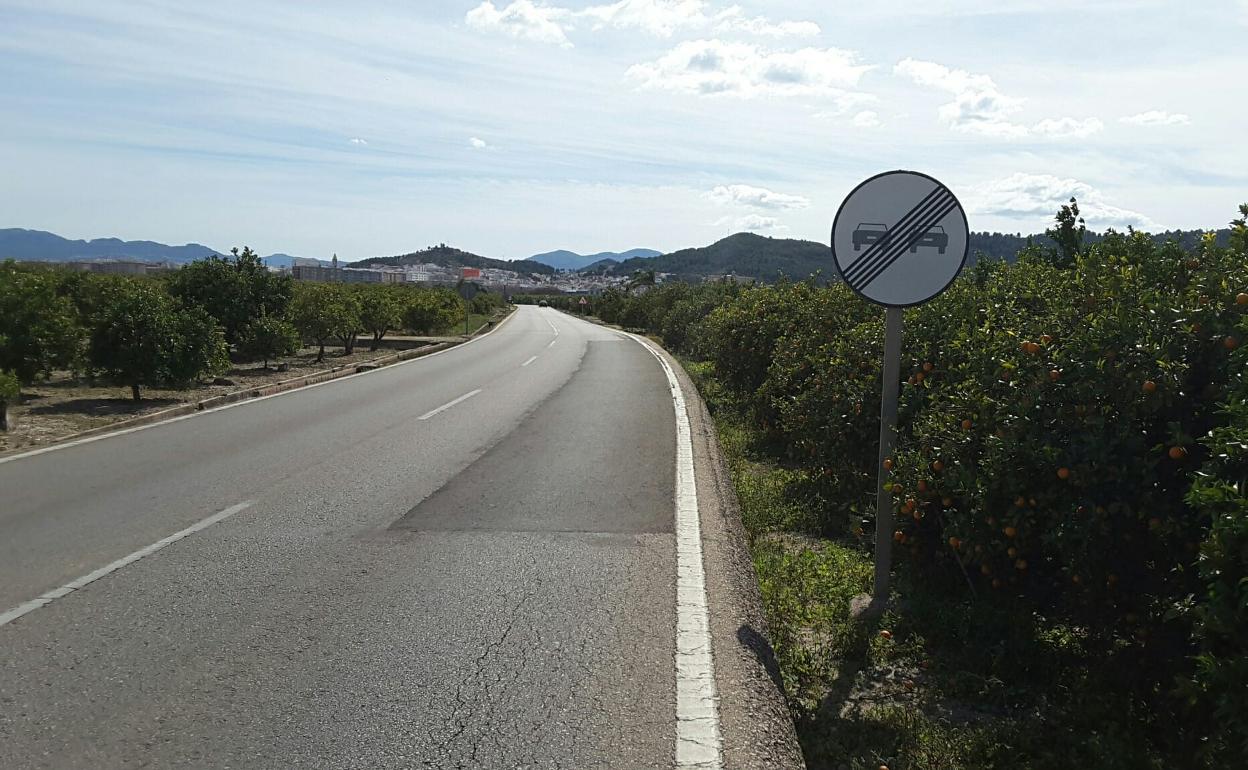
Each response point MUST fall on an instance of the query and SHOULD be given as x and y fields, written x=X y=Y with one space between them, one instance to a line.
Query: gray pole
x=888 y=435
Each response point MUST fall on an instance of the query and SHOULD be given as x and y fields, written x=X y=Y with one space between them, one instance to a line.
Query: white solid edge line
x=698 y=741
x=8 y=616
x=449 y=404
x=526 y=363
x=244 y=402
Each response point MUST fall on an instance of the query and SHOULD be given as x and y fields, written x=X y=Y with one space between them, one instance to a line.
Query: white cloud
x=744 y=70
x=1067 y=128
x=477 y=143
x=733 y=19
x=358 y=141
x=758 y=197
x=657 y=17
x=750 y=223
x=521 y=19
x=979 y=107
x=867 y=119
x=1037 y=197
x=1158 y=118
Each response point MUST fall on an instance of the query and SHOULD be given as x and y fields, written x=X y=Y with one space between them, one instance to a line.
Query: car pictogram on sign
x=868 y=233
x=935 y=237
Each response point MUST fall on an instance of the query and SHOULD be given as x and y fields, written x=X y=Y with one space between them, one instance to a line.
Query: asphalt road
x=489 y=585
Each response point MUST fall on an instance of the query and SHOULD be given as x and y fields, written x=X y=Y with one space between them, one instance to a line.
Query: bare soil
x=62 y=406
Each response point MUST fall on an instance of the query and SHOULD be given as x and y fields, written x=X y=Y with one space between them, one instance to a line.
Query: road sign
x=900 y=238
x=583 y=301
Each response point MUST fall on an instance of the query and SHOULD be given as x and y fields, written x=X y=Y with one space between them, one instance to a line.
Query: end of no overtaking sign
x=900 y=238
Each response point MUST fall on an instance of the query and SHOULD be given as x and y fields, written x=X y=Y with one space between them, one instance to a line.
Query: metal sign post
x=898 y=240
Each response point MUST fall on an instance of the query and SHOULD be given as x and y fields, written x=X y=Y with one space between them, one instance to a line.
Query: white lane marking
x=698 y=743
x=245 y=402
x=526 y=363
x=43 y=600
x=552 y=342
x=448 y=405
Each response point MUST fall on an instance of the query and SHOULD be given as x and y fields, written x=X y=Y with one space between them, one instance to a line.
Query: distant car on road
x=543 y=303
x=935 y=236
x=868 y=233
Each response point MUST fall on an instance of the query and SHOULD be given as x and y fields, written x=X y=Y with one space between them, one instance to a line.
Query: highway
x=467 y=560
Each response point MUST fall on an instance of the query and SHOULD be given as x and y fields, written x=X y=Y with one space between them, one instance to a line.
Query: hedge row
x=1072 y=440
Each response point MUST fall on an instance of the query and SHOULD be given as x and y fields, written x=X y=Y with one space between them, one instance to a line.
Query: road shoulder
x=756 y=727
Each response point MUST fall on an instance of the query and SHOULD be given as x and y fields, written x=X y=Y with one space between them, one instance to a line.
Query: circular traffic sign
x=900 y=238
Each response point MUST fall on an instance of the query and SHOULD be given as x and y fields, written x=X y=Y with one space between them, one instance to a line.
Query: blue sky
x=513 y=127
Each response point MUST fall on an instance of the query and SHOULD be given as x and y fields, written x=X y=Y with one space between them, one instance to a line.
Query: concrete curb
x=271 y=389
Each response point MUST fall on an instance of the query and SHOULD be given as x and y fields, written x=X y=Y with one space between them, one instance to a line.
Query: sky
x=513 y=127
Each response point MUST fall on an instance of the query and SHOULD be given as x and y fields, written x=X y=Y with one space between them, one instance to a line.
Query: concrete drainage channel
x=267 y=390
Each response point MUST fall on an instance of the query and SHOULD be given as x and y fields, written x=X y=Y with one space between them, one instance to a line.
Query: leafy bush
x=268 y=337
x=145 y=338
x=39 y=329
x=235 y=290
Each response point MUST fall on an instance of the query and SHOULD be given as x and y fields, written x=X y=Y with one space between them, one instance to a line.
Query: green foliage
x=485 y=303
x=235 y=290
x=430 y=311
x=1068 y=235
x=320 y=311
x=1049 y=433
x=381 y=310
x=10 y=387
x=268 y=337
x=39 y=329
x=144 y=338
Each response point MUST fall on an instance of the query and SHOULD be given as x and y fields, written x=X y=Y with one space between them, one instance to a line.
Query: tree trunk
x=321 y=355
x=134 y=391
x=5 y=422
x=377 y=340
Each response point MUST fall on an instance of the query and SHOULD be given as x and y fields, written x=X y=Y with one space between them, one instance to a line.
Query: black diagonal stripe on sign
x=917 y=235
x=912 y=236
x=886 y=240
x=897 y=233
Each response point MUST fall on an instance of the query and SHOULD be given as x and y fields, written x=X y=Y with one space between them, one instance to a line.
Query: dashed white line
x=552 y=342
x=448 y=405
x=43 y=600
x=526 y=363
x=698 y=741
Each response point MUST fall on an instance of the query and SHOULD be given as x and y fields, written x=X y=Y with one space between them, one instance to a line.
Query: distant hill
x=16 y=243
x=754 y=256
x=286 y=260
x=570 y=260
x=448 y=256
x=743 y=254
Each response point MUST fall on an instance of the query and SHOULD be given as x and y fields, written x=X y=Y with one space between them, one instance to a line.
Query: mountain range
x=570 y=260
x=747 y=255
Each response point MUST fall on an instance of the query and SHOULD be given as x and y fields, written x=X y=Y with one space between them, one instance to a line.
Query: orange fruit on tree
x=920 y=377
x=954 y=542
x=1055 y=375
x=1076 y=579
x=938 y=466
x=1177 y=453
x=1230 y=343
x=1020 y=502
x=1012 y=552
x=946 y=501
x=996 y=582
x=1031 y=348
x=1063 y=473
x=886 y=634
x=1010 y=532
x=1045 y=339
x=1241 y=298
x=927 y=367
x=898 y=489
x=1020 y=565
x=922 y=485
x=1150 y=386
x=899 y=536
x=985 y=570
x=888 y=463
x=967 y=424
